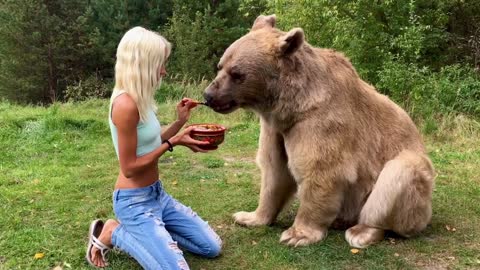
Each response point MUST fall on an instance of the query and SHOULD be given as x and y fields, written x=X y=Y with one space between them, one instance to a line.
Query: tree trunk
x=52 y=86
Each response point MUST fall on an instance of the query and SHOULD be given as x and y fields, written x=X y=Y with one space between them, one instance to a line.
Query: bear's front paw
x=302 y=236
x=249 y=219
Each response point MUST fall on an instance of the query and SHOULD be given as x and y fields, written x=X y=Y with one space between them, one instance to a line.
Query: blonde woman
x=151 y=226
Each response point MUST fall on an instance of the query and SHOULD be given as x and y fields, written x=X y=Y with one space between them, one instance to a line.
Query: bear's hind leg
x=400 y=201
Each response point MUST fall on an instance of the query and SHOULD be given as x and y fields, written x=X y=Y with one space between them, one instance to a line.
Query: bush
x=201 y=31
x=421 y=53
x=92 y=87
x=425 y=93
x=175 y=91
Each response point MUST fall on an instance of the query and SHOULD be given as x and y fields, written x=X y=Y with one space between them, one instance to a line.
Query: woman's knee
x=214 y=247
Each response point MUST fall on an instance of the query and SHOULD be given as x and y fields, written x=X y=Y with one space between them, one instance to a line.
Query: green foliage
x=202 y=30
x=108 y=20
x=424 y=92
x=41 y=47
x=408 y=49
x=65 y=50
x=92 y=87
x=175 y=91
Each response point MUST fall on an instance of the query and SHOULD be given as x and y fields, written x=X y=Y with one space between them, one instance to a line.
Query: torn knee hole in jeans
x=157 y=220
x=174 y=246
x=183 y=264
x=149 y=213
x=215 y=235
x=185 y=209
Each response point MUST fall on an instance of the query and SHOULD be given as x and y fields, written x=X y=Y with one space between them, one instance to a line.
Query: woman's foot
x=106 y=238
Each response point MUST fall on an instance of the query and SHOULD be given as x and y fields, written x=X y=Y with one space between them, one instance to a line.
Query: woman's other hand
x=184 y=138
x=183 y=109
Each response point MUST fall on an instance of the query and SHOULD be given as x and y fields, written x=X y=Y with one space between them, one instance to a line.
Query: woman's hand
x=183 y=109
x=184 y=138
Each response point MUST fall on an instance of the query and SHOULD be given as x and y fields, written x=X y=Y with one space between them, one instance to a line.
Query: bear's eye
x=237 y=77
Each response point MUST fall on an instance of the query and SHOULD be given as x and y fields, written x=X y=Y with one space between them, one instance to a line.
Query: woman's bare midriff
x=146 y=178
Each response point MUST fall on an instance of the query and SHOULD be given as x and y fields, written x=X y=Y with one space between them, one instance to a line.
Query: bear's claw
x=302 y=237
x=249 y=219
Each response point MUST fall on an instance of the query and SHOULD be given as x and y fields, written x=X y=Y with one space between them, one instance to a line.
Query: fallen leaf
x=219 y=226
x=451 y=258
x=39 y=255
x=396 y=254
x=448 y=228
x=454 y=229
x=354 y=250
x=254 y=243
x=175 y=182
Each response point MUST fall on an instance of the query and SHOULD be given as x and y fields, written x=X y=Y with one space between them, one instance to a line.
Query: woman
x=152 y=225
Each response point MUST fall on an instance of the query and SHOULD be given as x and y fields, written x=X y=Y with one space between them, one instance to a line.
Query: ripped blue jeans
x=153 y=226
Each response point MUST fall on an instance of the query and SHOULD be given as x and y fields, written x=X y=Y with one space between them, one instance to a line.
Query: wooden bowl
x=213 y=133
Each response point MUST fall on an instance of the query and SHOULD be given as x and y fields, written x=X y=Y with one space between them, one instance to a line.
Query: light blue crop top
x=148 y=133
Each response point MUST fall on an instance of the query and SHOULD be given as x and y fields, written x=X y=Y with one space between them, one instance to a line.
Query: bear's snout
x=220 y=103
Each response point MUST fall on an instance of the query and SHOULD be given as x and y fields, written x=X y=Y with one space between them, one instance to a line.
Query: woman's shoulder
x=124 y=108
x=124 y=102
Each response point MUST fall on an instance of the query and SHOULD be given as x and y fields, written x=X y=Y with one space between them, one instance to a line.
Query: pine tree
x=43 y=48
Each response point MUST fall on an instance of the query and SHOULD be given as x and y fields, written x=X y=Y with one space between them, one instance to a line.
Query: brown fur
x=353 y=155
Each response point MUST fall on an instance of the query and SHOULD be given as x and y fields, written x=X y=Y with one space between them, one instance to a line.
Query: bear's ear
x=291 y=41
x=264 y=21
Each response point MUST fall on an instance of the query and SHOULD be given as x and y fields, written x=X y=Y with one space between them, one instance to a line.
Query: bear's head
x=251 y=67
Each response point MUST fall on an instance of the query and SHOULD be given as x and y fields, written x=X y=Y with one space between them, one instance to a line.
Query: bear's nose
x=208 y=97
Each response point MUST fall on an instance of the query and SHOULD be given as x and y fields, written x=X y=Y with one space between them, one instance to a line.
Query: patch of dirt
x=439 y=261
x=242 y=159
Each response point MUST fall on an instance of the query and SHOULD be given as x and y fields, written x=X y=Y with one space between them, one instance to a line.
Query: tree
x=201 y=31
x=41 y=48
x=108 y=20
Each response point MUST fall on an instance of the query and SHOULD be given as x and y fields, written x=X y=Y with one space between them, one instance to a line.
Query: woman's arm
x=183 y=114
x=125 y=117
x=173 y=129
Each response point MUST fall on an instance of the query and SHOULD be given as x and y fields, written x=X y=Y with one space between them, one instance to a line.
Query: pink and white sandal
x=95 y=229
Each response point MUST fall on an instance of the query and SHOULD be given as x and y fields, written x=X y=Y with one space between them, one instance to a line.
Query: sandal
x=95 y=229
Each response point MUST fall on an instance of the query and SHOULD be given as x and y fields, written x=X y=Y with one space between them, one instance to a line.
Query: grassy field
x=58 y=167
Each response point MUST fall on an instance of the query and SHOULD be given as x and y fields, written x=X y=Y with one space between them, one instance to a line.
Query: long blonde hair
x=140 y=54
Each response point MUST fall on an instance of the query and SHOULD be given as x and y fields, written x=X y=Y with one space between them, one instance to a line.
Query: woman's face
x=162 y=71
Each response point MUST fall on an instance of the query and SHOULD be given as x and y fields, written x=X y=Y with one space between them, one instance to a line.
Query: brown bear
x=353 y=157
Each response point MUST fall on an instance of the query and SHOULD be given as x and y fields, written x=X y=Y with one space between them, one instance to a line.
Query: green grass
x=58 y=167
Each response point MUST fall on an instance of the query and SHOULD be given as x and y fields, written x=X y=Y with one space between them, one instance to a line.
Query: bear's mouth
x=224 y=108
